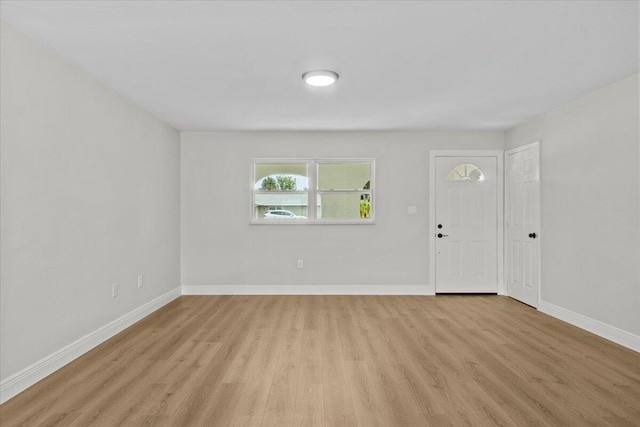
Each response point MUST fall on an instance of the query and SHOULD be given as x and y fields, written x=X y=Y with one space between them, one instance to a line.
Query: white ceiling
x=202 y=65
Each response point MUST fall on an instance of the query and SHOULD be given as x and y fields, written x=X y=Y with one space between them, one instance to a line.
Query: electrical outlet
x=300 y=263
x=114 y=290
x=140 y=278
x=412 y=210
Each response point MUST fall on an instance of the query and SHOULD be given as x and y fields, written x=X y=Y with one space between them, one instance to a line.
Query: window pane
x=281 y=206
x=344 y=176
x=344 y=206
x=281 y=177
x=465 y=172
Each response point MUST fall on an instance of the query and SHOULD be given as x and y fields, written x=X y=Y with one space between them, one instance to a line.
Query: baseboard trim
x=308 y=290
x=27 y=377
x=604 y=330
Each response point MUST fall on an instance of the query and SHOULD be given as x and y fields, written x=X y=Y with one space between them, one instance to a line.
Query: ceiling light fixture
x=320 y=77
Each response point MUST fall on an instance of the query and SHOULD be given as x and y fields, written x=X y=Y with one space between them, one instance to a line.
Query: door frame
x=538 y=224
x=499 y=155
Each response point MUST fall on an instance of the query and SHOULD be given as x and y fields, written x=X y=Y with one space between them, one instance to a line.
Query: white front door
x=466 y=224
x=522 y=219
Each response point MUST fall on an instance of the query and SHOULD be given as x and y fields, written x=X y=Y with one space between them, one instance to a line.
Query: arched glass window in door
x=466 y=172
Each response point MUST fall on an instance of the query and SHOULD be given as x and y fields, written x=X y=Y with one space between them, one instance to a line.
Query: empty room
x=319 y=213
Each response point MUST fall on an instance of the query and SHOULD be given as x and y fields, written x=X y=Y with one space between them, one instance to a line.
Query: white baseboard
x=308 y=290
x=617 y=335
x=20 y=381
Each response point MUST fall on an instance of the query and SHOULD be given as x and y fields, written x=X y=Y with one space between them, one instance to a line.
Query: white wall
x=89 y=196
x=220 y=248
x=590 y=213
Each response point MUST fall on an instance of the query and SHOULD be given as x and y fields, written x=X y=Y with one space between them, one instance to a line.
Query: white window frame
x=313 y=192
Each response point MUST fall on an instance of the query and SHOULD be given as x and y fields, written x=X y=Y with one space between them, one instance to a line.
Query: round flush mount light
x=320 y=77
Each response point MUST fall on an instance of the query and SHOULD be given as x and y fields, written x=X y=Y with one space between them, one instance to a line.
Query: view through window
x=313 y=191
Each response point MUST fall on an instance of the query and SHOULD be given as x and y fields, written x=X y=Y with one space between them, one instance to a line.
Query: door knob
x=532 y=235
x=440 y=235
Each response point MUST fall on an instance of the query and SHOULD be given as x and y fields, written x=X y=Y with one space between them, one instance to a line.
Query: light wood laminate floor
x=341 y=361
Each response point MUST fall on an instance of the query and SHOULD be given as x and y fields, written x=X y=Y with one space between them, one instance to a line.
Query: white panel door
x=522 y=219
x=466 y=232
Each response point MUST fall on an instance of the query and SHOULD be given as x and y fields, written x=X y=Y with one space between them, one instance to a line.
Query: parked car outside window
x=283 y=215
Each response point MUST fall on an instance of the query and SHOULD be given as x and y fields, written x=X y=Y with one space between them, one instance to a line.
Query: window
x=296 y=191
x=281 y=191
x=465 y=172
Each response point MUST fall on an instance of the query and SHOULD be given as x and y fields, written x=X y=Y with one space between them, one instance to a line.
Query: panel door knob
x=532 y=235
x=439 y=225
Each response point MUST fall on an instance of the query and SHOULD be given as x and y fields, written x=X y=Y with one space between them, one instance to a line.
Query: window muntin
x=465 y=172
x=313 y=191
